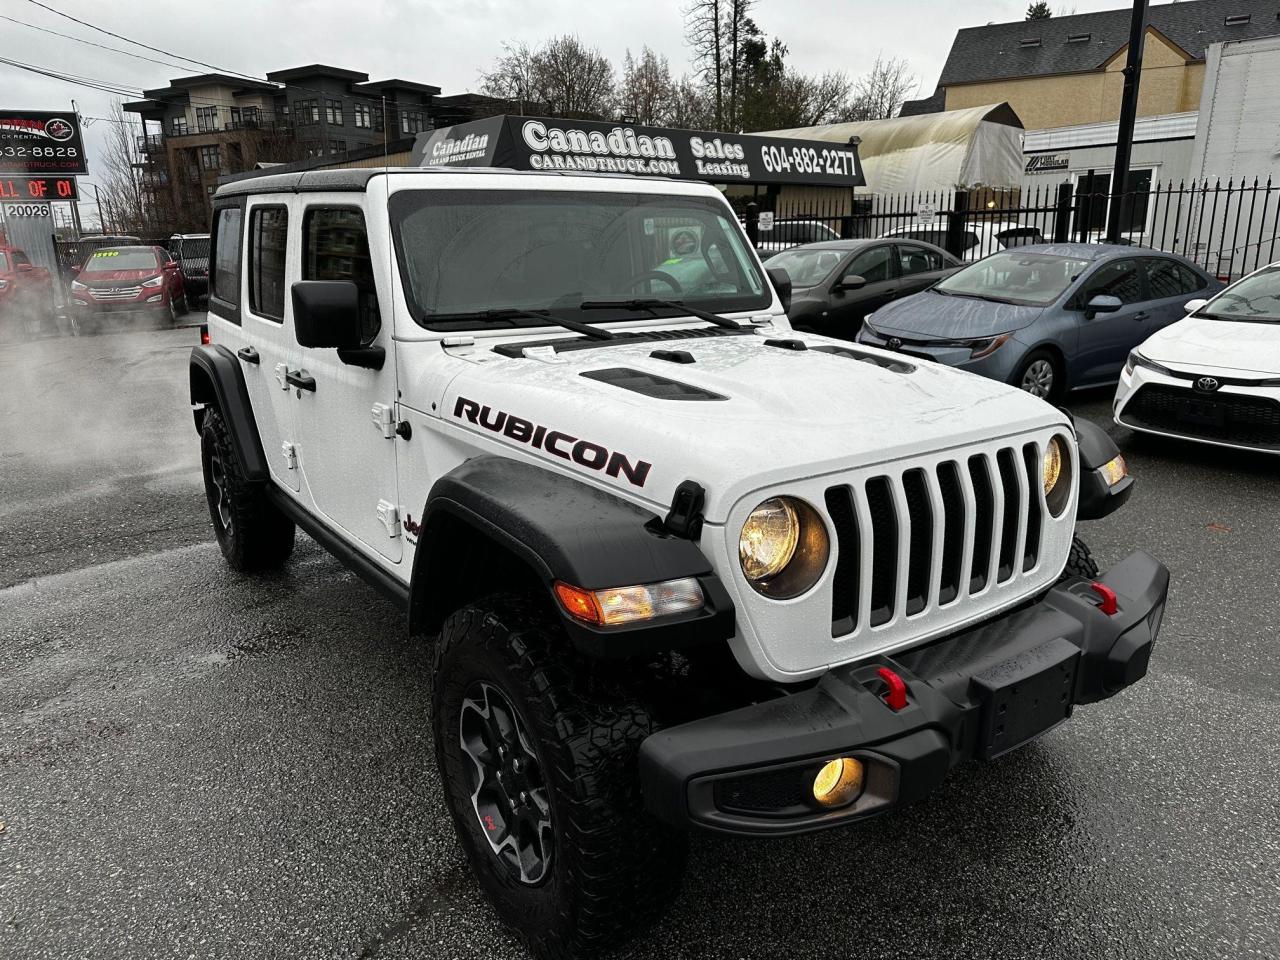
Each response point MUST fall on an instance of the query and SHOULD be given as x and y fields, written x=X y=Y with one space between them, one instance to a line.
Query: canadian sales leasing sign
x=589 y=146
x=34 y=142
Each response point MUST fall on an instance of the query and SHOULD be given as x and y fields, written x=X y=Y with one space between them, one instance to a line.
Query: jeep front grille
x=904 y=537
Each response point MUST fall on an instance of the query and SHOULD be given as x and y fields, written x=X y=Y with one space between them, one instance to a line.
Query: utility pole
x=1128 y=114
x=75 y=204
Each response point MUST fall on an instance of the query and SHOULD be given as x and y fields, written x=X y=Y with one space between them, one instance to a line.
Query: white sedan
x=1213 y=376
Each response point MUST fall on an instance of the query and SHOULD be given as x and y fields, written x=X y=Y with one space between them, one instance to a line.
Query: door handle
x=248 y=355
x=1141 y=315
x=300 y=379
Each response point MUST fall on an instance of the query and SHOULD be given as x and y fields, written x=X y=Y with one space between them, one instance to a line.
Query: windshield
x=1255 y=299
x=126 y=258
x=1033 y=279
x=808 y=267
x=462 y=252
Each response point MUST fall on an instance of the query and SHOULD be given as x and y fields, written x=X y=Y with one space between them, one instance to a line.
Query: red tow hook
x=896 y=697
x=1110 y=604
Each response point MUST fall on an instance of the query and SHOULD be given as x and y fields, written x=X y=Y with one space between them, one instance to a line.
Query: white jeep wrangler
x=680 y=566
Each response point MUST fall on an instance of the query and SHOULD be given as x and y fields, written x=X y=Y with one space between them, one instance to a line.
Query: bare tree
x=881 y=92
x=739 y=19
x=563 y=78
x=704 y=31
x=691 y=107
x=647 y=89
x=512 y=76
x=125 y=201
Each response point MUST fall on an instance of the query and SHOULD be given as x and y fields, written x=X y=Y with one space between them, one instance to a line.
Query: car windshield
x=462 y=253
x=808 y=267
x=1255 y=299
x=124 y=258
x=1034 y=279
x=4 y=263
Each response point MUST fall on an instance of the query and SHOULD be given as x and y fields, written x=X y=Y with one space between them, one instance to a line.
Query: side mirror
x=170 y=265
x=781 y=281
x=1102 y=303
x=1191 y=306
x=24 y=267
x=326 y=313
x=852 y=281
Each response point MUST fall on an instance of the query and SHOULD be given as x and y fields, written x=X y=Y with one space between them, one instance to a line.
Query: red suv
x=26 y=294
x=129 y=279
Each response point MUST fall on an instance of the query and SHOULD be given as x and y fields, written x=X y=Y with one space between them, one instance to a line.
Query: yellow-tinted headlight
x=1052 y=465
x=769 y=539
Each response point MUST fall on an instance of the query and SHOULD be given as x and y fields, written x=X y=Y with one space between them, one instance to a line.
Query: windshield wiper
x=652 y=303
x=976 y=296
x=511 y=313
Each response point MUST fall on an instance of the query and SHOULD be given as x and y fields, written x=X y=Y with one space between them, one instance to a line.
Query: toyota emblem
x=895 y=343
x=1207 y=384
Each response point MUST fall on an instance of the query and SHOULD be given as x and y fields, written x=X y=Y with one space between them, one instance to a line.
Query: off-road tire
x=1080 y=562
x=251 y=531
x=1059 y=376
x=612 y=868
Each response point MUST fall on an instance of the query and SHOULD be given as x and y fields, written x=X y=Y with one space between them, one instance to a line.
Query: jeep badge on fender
x=679 y=566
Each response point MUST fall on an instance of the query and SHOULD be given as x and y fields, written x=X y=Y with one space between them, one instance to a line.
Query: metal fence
x=1229 y=228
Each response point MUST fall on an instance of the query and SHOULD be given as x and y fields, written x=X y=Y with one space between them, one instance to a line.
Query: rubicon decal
x=593 y=456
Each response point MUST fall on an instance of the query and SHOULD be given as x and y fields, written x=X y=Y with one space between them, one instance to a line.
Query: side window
x=872 y=265
x=1168 y=278
x=335 y=246
x=1121 y=278
x=20 y=258
x=268 y=227
x=226 y=255
x=917 y=260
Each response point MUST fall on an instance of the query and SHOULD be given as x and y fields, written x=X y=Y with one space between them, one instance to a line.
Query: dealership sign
x=34 y=142
x=22 y=189
x=590 y=146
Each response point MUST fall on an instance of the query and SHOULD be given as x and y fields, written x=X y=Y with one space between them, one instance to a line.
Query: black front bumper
x=975 y=694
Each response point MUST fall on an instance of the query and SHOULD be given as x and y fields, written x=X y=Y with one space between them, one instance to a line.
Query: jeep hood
x=1198 y=342
x=748 y=414
x=930 y=315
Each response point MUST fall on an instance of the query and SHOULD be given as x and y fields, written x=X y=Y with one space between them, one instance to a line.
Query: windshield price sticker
x=106 y=253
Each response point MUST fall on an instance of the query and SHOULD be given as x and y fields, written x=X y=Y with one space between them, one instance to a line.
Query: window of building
x=282 y=113
x=335 y=246
x=179 y=126
x=206 y=119
x=337 y=146
x=225 y=255
x=333 y=111
x=363 y=116
x=210 y=158
x=251 y=116
x=235 y=117
x=306 y=111
x=411 y=121
x=268 y=228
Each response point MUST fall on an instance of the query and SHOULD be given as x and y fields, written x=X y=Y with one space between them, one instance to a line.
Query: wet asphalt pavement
x=199 y=764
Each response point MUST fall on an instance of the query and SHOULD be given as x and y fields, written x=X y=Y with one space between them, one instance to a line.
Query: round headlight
x=1056 y=474
x=783 y=547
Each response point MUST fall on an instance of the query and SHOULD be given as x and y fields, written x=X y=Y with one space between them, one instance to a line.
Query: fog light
x=1113 y=471
x=839 y=782
x=156 y=299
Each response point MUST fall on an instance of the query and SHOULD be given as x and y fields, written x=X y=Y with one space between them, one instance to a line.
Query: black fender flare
x=217 y=380
x=1098 y=499
x=563 y=530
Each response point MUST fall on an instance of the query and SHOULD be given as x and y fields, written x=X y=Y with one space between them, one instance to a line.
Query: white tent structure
x=975 y=147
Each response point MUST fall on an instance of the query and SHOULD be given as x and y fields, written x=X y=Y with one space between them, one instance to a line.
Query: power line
x=100 y=46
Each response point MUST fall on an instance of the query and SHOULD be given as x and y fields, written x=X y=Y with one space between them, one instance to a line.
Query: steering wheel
x=658 y=275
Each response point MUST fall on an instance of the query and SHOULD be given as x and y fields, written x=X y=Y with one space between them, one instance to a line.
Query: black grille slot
x=983 y=529
x=952 y=533
x=884 y=549
x=844 y=602
x=920 y=558
x=776 y=791
x=1035 y=521
x=650 y=384
x=1228 y=417
x=1009 y=530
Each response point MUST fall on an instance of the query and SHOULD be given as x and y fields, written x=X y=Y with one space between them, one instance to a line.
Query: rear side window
x=335 y=246
x=20 y=259
x=268 y=227
x=918 y=260
x=1168 y=278
x=226 y=255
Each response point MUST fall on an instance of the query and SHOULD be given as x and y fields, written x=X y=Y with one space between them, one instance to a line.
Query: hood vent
x=897 y=366
x=650 y=384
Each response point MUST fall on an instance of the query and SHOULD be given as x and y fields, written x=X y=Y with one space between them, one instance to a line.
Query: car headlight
x=1055 y=472
x=77 y=285
x=1138 y=360
x=783 y=547
x=984 y=348
x=153 y=282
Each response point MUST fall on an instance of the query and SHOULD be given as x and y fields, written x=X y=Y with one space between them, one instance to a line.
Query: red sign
x=34 y=142
x=26 y=189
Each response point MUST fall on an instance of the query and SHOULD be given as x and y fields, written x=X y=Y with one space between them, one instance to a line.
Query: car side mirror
x=781 y=281
x=170 y=265
x=852 y=281
x=1191 y=306
x=1102 y=303
x=24 y=267
x=326 y=313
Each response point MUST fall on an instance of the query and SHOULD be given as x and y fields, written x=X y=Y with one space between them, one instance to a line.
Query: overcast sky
x=449 y=42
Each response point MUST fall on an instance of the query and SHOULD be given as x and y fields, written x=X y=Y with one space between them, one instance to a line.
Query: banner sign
x=14 y=189
x=1047 y=163
x=591 y=146
x=34 y=142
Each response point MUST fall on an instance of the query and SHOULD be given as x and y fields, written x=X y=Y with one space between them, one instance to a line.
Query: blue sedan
x=1048 y=317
